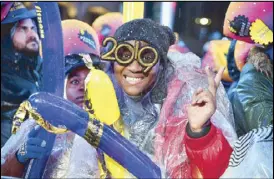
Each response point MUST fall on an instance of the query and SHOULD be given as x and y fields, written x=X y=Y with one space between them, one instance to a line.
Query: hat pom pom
x=170 y=34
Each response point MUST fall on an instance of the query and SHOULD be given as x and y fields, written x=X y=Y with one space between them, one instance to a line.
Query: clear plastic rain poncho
x=252 y=155
x=71 y=155
x=145 y=118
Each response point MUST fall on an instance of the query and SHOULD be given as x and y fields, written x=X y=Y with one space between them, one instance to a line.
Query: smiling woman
x=153 y=92
x=130 y=75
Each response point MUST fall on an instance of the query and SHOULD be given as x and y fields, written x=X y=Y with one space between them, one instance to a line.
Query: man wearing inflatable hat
x=252 y=98
x=20 y=62
x=70 y=152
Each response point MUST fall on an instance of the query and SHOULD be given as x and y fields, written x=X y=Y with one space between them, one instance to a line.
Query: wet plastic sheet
x=253 y=155
x=187 y=72
x=187 y=78
x=71 y=156
x=147 y=124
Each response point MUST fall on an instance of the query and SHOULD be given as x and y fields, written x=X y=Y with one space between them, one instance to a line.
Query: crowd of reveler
x=209 y=117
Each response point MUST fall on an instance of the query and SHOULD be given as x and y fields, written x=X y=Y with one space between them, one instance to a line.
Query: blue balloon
x=58 y=111
x=53 y=71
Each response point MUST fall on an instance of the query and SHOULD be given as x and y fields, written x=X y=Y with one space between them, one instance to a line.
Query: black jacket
x=20 y=77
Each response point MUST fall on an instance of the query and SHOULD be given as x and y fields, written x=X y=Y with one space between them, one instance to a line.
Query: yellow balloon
x=100 y=98
x=101 y=103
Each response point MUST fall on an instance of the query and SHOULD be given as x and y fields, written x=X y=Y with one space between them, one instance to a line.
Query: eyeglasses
x=124 y=53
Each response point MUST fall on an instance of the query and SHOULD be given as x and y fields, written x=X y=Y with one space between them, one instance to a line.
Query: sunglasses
x=125 y=53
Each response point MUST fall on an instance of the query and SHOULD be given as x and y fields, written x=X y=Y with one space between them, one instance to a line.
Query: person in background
x=20 y=63
x=249 y=75
x=252 y=98
x=71 y=156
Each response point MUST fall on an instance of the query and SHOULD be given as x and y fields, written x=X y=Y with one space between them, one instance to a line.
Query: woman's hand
x=203 y=104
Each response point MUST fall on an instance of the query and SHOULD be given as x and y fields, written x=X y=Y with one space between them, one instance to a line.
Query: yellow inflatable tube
x=101 y=103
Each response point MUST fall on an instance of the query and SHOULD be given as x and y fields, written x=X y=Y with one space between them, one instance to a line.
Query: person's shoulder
x=249 y=75
x=248 y=68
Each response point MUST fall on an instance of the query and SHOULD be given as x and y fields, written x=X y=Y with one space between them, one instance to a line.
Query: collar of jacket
x=26 y=67
x=18 y=60
x=248 y=67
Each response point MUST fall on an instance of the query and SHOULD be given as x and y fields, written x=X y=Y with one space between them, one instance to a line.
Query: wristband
x=192 y=134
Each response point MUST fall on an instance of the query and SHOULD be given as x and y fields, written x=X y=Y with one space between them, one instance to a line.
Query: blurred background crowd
x=195 y=22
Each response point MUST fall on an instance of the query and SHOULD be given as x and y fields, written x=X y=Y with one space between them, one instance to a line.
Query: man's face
x=131 y=77
x=75 y=87
x=25 y=38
